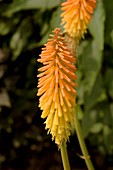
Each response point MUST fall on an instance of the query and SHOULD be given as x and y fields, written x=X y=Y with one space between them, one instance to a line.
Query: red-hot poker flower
x=57 y=87
x=76 y=16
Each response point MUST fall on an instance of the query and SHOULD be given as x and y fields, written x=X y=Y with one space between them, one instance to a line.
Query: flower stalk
x=64 y=156
x=86 y=156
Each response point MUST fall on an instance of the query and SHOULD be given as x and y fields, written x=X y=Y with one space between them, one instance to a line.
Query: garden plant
x=67 y=121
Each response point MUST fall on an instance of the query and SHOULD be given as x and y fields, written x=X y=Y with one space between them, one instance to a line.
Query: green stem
x=82 y=144
x=64 y=155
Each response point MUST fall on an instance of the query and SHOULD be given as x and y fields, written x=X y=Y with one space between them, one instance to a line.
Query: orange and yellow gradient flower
x=56 y=86
x=76 y=16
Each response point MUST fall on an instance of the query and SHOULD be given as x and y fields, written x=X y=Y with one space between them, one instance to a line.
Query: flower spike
x=76 y=16
x=57 y=87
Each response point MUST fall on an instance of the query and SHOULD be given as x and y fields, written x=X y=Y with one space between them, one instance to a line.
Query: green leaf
x=111 y=109
x=54 y=23
x=56 y=19
x=4 y=27
x=80 y=94
x=19 y=5
x=90 y=58
x=109 y=21
x=7 y=25
x=92 y=53
x=20 y=37
x=93 y=50
x=88 y=121
x=109 y=81
x=87 y=65
x=98 y=94
x=111 y=36
x=97 y=25
x=96 y=128
x=16 y=44
x=108 y=119
x=108 y=138
x=79 y=111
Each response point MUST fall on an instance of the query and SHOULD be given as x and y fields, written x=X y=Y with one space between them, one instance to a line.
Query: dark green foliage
x=24 y=28
x=95 y=93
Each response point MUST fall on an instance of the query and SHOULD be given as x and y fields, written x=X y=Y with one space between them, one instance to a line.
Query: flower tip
x=76 y=16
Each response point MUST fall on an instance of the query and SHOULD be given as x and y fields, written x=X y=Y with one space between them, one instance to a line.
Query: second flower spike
x=76 y=16
x=56 y=87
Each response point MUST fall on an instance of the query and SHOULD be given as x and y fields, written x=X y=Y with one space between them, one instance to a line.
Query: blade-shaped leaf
x=31 y=4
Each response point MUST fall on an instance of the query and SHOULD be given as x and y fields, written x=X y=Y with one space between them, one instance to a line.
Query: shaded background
x=24 y=144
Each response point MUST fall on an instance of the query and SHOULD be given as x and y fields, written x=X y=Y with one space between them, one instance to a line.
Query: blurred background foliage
x=24 y=28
